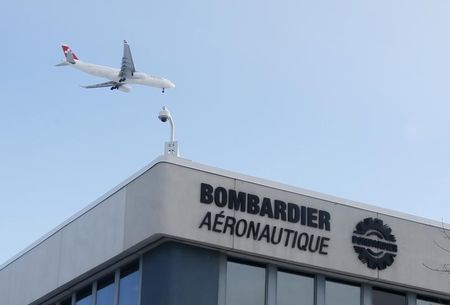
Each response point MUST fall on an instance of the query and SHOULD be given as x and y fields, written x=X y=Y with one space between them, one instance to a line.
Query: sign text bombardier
x=237 y=224
x=118 y=78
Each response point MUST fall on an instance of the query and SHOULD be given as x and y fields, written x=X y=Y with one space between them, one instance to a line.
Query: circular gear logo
x=374 y=243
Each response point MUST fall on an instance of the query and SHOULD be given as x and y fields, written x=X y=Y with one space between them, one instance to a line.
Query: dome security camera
x=171 y=148
x=164 y=115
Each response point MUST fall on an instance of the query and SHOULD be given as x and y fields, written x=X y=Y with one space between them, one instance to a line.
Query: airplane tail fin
x=70 y=56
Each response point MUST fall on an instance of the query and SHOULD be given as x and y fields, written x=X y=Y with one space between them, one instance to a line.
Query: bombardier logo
x=374 y=243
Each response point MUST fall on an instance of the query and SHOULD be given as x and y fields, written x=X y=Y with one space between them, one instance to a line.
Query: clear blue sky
x=348 y=98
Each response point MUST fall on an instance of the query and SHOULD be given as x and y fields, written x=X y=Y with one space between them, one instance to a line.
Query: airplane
x=118 y=78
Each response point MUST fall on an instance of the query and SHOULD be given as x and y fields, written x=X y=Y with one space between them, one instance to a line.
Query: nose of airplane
x=171 y=85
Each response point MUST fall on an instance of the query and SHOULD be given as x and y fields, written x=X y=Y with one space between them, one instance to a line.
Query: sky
x=348 y=98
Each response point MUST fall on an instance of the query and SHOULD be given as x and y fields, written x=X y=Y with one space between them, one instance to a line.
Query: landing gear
x=163 y=90
x=114 y=87
x=122 y=80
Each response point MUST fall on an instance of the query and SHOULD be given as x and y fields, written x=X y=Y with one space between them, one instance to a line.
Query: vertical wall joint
x=319 y=293
x=271 y=282
x=366 y=294
x=411 y=299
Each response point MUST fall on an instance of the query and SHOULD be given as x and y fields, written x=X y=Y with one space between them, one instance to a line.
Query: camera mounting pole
x=171 y=147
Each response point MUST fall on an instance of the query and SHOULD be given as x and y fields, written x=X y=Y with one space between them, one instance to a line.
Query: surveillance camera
x=164 y=115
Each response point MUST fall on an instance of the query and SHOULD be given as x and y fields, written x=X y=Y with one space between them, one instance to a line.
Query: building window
x=246 y=284
x=337 y=293
x=67 y=301
x=428 y=301
x=84 y=296
x=121 y=287
x=105 y=291
x=383 y=297
x=294 y=289
x=129 y=285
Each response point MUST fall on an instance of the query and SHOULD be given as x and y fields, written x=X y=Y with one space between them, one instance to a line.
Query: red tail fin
x=66 y=50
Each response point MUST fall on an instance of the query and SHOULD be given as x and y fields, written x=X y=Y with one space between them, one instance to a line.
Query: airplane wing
x=127 y=68
x=103 y=85
x=111 y=84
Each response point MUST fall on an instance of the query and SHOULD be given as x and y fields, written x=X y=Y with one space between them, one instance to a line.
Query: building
x=178 y=232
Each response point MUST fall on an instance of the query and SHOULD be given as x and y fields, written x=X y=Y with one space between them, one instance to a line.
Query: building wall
x=178 y=273
x=183 y=214
x=165 y=200
x=78 y=247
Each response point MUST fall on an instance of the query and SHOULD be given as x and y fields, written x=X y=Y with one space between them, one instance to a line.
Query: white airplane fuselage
x=113 y=75
x=117 y=78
